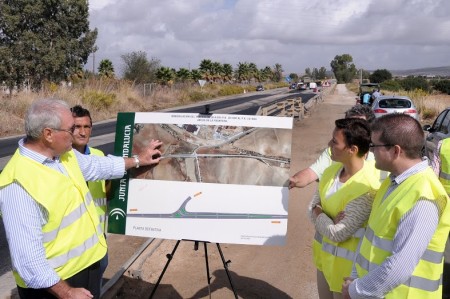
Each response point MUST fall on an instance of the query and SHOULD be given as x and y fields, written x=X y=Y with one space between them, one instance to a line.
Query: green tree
x=206 y=69
x=227 y=71
x=308 y=72
x=183 y=74
x=165 y=75
x=322 y=73
x=196 y=75
x=138 y=68
x=392 y=85
x=294 y=77
x=43 y=40
x=380 y=76
x=412 y=83
x=243 y=72
x=106 y=68
x=277 y=72
x=343 y=68
x=265 y=74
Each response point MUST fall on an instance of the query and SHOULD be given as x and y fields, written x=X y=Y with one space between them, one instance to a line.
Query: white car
x=394 y=104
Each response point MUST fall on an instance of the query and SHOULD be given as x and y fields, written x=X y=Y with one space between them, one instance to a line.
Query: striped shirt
x=23 y=217
x=414 y=233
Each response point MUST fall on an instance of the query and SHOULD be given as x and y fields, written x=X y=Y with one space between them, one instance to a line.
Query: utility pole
x=94 y=49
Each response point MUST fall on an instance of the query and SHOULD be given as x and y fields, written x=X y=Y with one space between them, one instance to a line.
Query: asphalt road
x=103 y=138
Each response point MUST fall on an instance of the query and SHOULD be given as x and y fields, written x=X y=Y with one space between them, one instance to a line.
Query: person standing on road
x=314 y=172
x=401 y=254
x=375 y=94
x=51 y=223
x=80 y=139
x=366 y=99
x=441 y=166
x=348 y=186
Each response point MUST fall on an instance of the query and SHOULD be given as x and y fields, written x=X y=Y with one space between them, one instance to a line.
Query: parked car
x=366 y=88
x=303 y=86
x=436 y=132
x=394 y=104
x=259 y=88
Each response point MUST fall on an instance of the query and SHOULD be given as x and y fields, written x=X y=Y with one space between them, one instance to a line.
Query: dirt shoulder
x=256 y=271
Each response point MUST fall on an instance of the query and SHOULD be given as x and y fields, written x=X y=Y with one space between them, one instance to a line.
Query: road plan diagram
x=227 y=172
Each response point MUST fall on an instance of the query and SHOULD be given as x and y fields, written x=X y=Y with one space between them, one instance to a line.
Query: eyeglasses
x=371 y=145
x=70 y=130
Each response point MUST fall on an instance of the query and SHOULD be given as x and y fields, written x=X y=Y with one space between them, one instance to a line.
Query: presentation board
x=222 y=178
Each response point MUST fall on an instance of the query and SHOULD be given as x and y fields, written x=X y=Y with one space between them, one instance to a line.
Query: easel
x=208 y=277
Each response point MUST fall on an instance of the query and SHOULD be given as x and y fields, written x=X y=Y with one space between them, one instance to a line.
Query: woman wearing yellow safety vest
x=342 y=204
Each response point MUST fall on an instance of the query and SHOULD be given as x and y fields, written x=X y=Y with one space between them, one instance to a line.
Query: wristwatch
x=136 y=160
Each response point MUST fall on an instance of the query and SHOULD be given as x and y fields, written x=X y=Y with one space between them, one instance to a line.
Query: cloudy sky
x=378 y=34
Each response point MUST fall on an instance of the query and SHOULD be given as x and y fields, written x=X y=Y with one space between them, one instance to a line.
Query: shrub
x=412 y=83
x=429 y=113
x=391 y=85
x=98 y=100
x=442 y=86
x=197 y=96
x=227 y=90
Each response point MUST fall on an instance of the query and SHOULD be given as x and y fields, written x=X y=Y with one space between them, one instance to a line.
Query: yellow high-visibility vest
x=376 y=247
x=444 y=173
x=72 y=236
x=335 y=259
x=98 y=192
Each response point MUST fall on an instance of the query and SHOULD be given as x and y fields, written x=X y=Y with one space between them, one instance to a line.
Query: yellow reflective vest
x=376 y=247
x=72 y=236
x=444 y=173
x=98 y=192
x=335 y=259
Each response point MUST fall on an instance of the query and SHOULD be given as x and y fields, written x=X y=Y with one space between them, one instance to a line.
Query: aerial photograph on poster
x=221 y=178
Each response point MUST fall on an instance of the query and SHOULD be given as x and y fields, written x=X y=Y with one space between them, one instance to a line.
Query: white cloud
x=392 y=34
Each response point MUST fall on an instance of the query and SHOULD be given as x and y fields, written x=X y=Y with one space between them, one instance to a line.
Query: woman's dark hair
x=356 y=132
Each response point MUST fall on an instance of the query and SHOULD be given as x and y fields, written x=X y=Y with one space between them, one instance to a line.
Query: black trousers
x=446 y=281
x=89 y=278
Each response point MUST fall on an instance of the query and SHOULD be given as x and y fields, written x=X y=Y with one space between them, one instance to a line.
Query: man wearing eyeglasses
x=98 y=189
x=50 y=219
x=401 y=254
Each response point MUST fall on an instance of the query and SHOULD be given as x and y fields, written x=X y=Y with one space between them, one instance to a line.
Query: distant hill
x=442 y=71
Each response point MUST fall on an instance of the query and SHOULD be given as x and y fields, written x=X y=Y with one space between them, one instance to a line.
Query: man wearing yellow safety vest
x=80 y=140
x=52 y=226
x=401 y=254
x=441 y=166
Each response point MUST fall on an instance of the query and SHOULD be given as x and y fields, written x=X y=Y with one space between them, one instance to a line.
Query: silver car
x=394 y=104
x=436 y=132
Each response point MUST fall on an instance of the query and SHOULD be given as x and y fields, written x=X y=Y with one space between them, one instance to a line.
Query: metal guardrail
x=290 y=107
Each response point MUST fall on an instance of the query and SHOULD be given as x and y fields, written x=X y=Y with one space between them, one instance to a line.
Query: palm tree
x=165 y=75
x=205 y=69
x=106 y=68
x=278 y=72
x=183 y=74
x=227 y=71
x=243 y=72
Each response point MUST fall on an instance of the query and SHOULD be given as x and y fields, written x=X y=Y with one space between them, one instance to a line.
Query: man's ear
x=397 y=150
x=354 y=149
x=47 y=134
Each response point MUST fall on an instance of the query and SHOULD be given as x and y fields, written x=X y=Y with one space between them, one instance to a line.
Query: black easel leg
x=169 y=259
x=208 y=277
x=225 y=266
